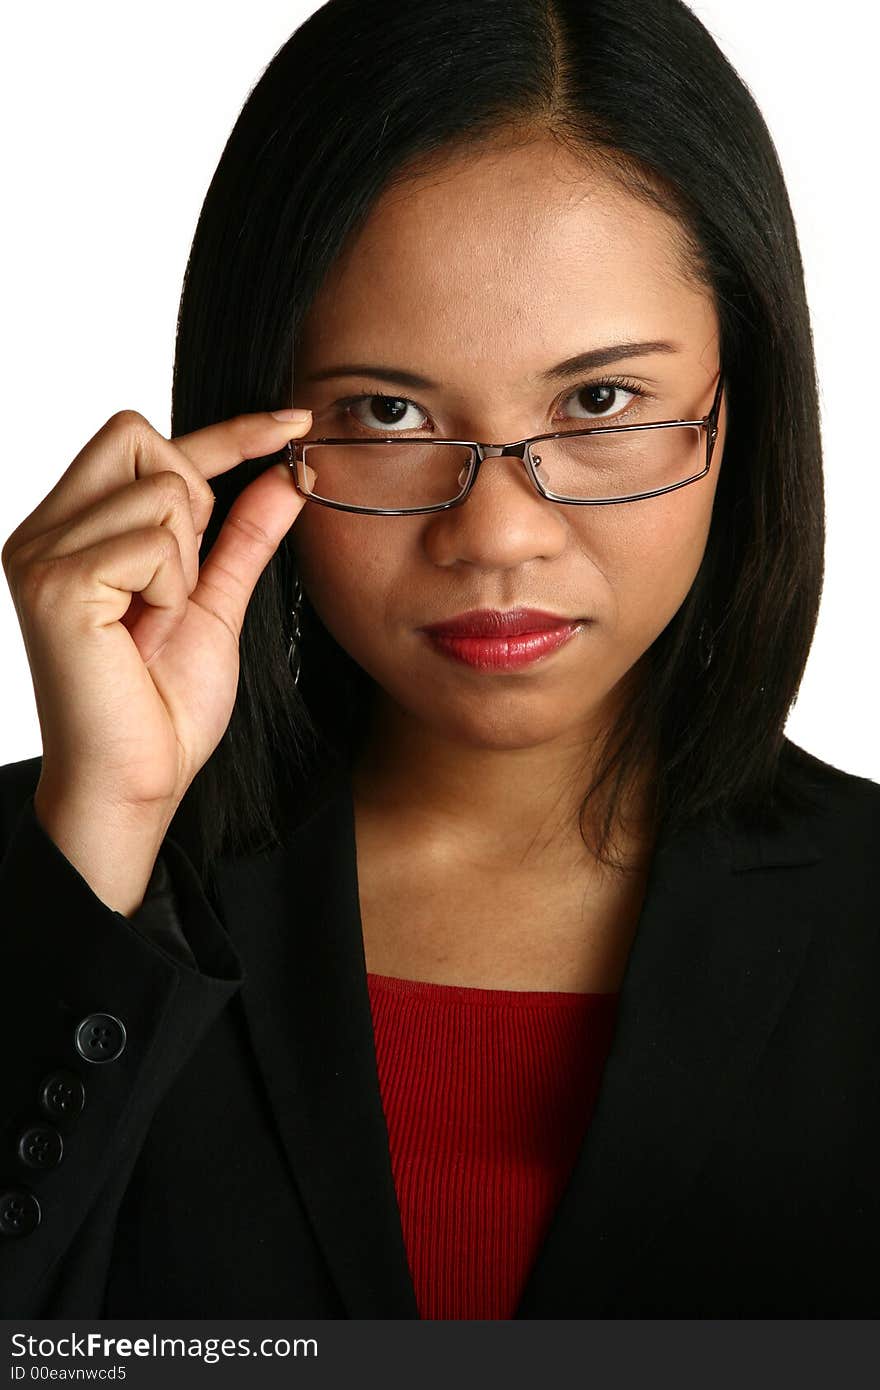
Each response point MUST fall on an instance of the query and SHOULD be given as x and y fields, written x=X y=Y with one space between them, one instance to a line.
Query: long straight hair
x=363 y=95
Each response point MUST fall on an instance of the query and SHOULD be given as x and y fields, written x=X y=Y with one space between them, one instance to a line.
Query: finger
x=124 y=450
x=127 y=447
x=257 y=522
x=160 y=499
x=103 y=579
x=217 y=448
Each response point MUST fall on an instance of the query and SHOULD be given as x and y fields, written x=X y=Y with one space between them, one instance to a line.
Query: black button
x=19 y=1212
x=100 y=1037
x=40 y=1146
x=62 y=1095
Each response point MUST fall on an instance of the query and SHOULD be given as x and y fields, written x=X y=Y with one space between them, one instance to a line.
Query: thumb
x=257 y=522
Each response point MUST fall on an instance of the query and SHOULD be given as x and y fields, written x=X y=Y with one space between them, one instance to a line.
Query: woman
x=451 y=974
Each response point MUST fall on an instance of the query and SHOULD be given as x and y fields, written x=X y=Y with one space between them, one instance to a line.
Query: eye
x=600 y=399
x=383 y=414
x=395 y=414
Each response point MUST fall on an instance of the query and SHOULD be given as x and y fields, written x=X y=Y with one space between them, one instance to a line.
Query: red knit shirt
x=487 y=1096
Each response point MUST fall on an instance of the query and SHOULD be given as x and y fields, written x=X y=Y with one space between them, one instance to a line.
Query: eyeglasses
x=591 y=467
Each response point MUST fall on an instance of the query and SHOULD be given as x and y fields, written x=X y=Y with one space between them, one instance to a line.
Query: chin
x=504 y=723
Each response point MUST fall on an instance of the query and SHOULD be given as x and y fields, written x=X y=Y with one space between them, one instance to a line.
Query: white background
x=114 y=117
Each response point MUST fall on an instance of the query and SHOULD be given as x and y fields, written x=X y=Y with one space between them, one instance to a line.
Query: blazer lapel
x=716 y=954
x=294 y=917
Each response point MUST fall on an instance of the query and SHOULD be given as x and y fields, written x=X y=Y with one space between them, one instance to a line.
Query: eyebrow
x=581 y=362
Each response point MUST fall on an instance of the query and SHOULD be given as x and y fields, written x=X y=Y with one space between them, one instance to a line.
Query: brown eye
x=601 y=398
x=382 y=412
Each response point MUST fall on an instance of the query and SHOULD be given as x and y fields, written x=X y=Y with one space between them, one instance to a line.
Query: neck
x=465 y=804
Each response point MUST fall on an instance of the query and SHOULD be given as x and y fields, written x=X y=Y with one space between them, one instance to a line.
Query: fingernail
x=295 y=416
x=199 y=538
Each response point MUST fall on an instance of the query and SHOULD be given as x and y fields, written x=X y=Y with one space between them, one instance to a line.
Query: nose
x=488 y=451
x=491 y=451
x=503 y=523
x=497 y=450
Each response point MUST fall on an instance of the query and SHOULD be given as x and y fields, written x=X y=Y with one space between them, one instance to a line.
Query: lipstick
x=489 y=640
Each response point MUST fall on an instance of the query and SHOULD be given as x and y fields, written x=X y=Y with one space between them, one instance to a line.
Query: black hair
x=362 y=95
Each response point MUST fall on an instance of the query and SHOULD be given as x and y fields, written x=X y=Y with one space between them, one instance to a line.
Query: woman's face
x=481 y=279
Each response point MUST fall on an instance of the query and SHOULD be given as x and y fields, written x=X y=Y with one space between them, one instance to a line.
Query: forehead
x=516 y=251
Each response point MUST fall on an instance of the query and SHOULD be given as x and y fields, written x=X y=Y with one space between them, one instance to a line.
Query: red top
x=487 y=1096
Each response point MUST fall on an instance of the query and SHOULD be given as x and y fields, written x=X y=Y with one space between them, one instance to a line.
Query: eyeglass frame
x=296 y=450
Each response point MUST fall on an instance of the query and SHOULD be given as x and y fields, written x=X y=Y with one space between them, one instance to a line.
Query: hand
x=133 y=649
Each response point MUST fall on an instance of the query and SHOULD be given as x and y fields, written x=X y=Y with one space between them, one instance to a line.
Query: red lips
x=490 y=622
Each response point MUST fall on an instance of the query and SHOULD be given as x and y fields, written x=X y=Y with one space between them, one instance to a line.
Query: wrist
x=114 y=848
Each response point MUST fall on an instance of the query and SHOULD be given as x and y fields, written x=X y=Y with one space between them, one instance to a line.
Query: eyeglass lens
x=421 y=473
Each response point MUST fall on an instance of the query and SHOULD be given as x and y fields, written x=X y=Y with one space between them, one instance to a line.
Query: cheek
x=345 y=569
x=649 y=553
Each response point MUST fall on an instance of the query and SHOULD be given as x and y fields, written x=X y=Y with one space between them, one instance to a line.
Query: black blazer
x=232 y=1159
